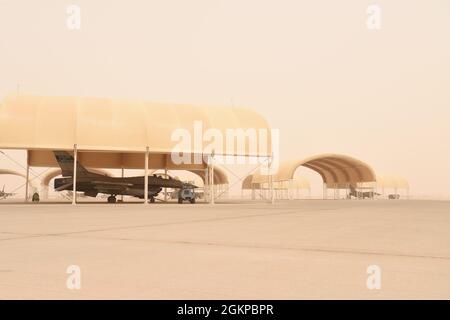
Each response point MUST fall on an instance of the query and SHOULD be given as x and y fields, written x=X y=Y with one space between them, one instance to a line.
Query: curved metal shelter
x=337 y=171
x=31 y=183
x=392 y=182
x=113 y=125
x=282 y=189
x=122 y=134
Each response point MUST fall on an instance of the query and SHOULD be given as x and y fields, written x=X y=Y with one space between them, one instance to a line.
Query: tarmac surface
x=310 y=249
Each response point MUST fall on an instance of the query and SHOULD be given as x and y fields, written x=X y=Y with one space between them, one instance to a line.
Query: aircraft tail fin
x=66 y=162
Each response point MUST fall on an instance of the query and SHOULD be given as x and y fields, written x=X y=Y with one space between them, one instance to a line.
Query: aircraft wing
x=111 y=186
x=108 y=183
x=63 y=187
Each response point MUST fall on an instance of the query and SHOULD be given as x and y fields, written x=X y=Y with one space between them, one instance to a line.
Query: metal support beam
x=146 y=177
x=74 y=191
x=165 y=189
x=290 y=190
x=123 y=175
x=212 y=179
x=27 y=179
x=206 y=185
x=271 y=193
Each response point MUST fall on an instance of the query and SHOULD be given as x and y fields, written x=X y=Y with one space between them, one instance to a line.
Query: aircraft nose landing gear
x=112 y=199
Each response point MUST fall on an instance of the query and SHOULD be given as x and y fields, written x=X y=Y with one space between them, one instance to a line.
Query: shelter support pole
x=291 y=187
x=165 y=189
x=146 y=177
x=271 y=193
x=123 y=174
x=74 y=191
x=212 y=180
x=27 y=179
x=205 y=186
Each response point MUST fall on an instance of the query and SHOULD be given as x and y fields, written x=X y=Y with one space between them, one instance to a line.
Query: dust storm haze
x=313 y=69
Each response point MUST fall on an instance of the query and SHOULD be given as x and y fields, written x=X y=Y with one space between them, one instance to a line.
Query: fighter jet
x=361 y=194
x=92 y=183
x=4 y=195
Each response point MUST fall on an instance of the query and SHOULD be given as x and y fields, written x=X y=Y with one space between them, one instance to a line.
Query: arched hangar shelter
x=31 y=183
x=392 y=183
x=122 y=134
x=282 y=189
x=337 y=172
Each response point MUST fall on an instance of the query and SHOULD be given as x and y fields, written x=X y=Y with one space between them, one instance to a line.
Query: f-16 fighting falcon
x=92 y=183
x=4 y=195
x=361 y=194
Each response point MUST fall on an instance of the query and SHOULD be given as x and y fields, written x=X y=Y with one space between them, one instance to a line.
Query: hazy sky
x=312 y=68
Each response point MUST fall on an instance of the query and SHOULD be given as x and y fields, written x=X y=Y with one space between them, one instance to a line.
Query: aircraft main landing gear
x=112 y=199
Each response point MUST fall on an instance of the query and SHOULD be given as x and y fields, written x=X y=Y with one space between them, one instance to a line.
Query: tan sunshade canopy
x=247 y=183
x=336 y=170
x=297 y=183
x=17 y=173
x=94 y=124
x=392 y=181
